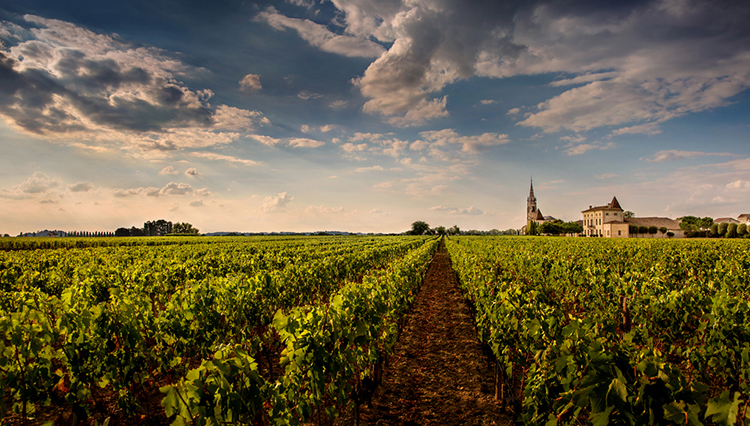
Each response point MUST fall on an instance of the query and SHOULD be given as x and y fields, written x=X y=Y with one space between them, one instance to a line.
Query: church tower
x=531 y=210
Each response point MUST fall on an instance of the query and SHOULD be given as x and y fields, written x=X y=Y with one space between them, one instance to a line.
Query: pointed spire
x=531 y=190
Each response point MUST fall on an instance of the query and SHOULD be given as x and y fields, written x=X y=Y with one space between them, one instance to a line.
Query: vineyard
x=625 y=332
x=299 y=330
x=118 y=332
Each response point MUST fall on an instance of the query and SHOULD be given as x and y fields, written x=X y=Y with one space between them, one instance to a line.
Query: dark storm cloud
x=60 y=80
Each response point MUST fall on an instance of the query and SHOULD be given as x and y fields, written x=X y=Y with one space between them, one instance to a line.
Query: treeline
x=556 y=227
x=158 y=228
x=423 y=228
x=706 y=228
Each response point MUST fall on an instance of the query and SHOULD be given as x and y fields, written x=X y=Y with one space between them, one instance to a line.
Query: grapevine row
x=613 y=332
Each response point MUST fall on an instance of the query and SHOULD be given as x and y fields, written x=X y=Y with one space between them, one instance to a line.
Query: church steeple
x=531 y=191
x=531 y=211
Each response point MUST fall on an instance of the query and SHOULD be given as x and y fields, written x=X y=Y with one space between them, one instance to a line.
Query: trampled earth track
x=438 y=373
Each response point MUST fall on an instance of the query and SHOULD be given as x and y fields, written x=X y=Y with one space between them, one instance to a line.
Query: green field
x=607 y=331
x=286 y=330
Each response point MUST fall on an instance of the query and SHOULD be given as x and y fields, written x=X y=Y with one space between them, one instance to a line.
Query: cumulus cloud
x=81 y=187
x=320 y=36
x=350 y=147
x=193 y=172
x=276 y=203
x=64 y=82
x=250 y=83
x=38 y=183
x=472 y=144
x=488 y=101
x=624 y=66
x=196 y=203
x=169 y=170
x=305 y=143
x=266 y=140
x=170 y=189
x=585 y=147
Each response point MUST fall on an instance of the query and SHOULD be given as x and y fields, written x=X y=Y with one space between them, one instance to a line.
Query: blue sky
x=369 y=115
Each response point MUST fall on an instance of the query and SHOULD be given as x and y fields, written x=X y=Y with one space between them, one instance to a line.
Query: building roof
x=654 y=221
x=744 y=217
x=726 y=220
x=612 y=205
x=539 y=215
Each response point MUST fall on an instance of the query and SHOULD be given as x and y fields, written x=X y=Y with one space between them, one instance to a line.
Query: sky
x=365 y=116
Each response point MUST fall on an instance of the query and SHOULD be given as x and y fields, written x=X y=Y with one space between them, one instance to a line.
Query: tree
x=714 y=230
x=663 y=230
x=122 y=232
x=454 y=230
x=440 y=230
x=184 y=228
x=136 y=232
x=653 y=230
x=157 y=228
x=670 y=234
x=741 y=230
x=732 y=230
x=532 y=229
x=633 y=229
x=419 y=228
x=643 y=229
x=628 y=214
x=723 y=229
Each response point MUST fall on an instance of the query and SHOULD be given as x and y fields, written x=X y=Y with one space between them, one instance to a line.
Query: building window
x=607 y=213
x=619 y=232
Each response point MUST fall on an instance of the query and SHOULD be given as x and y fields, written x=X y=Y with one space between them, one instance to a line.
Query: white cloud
x=38 y=183
x=266 y=140
x=672 y=155
x=305 y=128
x=623 y=72
x=169 y=170
x=350 y=147
x=196 y=203
x=472 y=144
x=488 y=101
x=305 y=95
x=742 y=185
x=585 y=147
x=227 y=158
x=276 y=203
x=193 y=172
x=339 y=104
x=513 y=111
x=81 y=187
x=646 y=129
x=173 y=188
x=250 y=82
x=319 y=36
x=305 y=143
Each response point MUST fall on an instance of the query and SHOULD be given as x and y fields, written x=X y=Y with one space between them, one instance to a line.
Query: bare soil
x=438 y=373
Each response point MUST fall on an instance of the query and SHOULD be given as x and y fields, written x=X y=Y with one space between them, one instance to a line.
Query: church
x=533 y=213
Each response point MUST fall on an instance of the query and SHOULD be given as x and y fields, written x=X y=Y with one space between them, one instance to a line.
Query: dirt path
x=438 y=374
